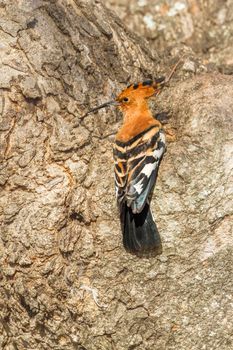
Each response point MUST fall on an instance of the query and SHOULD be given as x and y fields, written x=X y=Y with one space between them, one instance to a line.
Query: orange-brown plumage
x=137 y=116
x=138 y=149
x=135 y=125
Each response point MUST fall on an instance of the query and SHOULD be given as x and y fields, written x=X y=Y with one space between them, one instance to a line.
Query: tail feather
x=139 y=230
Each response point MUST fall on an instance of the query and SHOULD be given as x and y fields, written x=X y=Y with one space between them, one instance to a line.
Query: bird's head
x=134 y=95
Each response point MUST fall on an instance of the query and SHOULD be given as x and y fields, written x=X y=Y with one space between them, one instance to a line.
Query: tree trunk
x=65 y=280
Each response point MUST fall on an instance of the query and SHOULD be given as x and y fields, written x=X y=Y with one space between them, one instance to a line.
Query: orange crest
x=141 y=90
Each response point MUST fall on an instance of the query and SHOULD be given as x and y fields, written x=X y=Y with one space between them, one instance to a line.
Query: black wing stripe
x=136 y=166
x=118 y=154
x=138 y=169
x=133 y=162
x=118 y=168
x=134 y=150
x=143 y=146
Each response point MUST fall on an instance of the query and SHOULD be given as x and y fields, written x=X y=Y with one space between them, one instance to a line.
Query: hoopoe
x=138 y=150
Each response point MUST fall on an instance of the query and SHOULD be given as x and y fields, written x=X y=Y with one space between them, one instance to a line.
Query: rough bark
x=204 y=25
x=65 y=280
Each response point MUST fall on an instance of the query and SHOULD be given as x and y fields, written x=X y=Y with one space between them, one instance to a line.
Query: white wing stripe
x=139 y=186
x=148 y=168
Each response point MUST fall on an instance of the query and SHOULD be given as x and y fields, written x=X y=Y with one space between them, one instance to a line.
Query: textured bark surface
x=204 y=25
x=65 y=280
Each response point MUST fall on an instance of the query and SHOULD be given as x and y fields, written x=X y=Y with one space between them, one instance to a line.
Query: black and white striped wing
x=120 y=171
x=136 y=166
x=142 y=171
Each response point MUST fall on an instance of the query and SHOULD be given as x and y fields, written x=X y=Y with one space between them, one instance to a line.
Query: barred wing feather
x=136 y=167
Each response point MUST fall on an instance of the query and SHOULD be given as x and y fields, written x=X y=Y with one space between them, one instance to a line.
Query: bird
x=138 y=149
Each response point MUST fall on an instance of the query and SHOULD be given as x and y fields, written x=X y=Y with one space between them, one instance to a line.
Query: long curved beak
x=106 y=104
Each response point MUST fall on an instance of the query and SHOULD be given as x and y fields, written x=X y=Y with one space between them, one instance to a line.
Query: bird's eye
x=125 y=99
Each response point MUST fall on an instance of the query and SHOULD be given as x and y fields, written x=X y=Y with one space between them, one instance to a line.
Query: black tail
x=139 y=230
